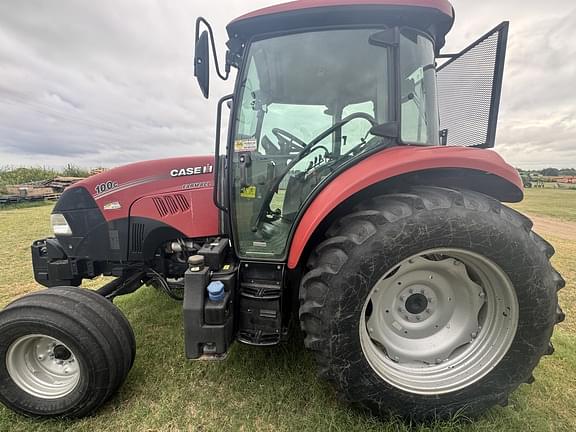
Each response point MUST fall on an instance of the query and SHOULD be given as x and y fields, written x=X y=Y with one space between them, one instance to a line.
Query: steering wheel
x=335 y=127
x=306 y=149
x=287 y=141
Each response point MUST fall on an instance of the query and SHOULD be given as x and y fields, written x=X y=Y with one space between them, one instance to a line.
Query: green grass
x=24 y=205
x=264 y=389
x=556 y=203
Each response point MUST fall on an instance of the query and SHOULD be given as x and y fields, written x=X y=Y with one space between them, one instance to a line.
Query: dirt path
x=554 y=227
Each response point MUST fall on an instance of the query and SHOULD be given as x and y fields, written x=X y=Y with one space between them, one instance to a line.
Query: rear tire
x=63 y=352
x=392 y=369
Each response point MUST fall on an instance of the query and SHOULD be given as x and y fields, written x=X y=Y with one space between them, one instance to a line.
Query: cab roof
x=435 y=17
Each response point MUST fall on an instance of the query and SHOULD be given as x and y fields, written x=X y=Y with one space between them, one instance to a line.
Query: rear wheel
x=430 y=303
x=63 y=352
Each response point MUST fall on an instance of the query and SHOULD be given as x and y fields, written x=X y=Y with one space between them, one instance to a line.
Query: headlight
x=60 y=225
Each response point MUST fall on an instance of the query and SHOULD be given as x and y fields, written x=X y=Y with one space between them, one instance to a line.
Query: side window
x=354 y=132
x=247 y=117
x=418 y=90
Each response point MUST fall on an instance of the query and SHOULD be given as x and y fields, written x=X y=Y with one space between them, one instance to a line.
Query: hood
x=115 y=190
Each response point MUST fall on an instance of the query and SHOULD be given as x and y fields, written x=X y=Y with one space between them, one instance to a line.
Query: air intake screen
x=469 y=89
x=171 y=204
x=137 y=238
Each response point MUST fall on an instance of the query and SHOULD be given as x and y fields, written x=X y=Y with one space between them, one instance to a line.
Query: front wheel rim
x=43 y=366
x=439 y=321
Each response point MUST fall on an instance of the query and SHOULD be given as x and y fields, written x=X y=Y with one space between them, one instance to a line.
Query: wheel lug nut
x=371 y=330
x=66 y=371
x=400 y=310
x=438 y=361
x=428 y=311
x=474 y=335
x=482 y=294
x=40 y=357
x=396 y=359
x=419 y=318
x=411 y=291
x=401 y=298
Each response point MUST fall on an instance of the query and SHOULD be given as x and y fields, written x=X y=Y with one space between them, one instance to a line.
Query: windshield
x=307 y=103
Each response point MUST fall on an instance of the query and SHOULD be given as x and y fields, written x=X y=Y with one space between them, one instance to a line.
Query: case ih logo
x=183 y=172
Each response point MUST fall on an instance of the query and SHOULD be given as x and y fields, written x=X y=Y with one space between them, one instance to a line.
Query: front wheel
x=63 y=352
x=430 y=303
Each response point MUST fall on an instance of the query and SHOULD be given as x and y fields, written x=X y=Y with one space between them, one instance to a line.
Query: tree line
x=15 y=176
x=551 y=172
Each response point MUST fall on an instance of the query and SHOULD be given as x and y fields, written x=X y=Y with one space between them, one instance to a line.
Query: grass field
x=556 y=203
x=276 y=389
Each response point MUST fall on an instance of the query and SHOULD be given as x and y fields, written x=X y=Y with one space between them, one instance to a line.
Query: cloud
x=537 y=126
x=111 y=82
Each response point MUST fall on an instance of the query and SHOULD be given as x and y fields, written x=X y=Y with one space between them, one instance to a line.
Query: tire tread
x=341 y=241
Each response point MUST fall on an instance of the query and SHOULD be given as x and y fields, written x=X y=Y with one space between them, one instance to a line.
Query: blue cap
x=216 y=291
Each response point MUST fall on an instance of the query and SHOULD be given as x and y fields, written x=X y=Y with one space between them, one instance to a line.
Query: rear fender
x=470 y=168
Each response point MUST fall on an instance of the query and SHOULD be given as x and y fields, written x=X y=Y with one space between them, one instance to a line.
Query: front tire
x=63 y=352
x=430 y=303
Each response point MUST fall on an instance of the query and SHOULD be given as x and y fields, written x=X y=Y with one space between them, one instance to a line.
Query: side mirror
x=202 y=63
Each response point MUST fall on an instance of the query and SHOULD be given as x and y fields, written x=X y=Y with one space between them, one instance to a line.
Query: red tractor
x=357 y=195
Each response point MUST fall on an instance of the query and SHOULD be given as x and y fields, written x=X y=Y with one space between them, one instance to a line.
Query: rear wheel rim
x=439 y=321
x=43 y=366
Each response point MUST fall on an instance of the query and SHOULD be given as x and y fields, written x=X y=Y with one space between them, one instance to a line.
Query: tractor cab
x=320 y=85
x=301 y=116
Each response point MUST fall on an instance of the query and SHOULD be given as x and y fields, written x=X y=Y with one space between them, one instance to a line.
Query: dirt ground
x=553 y=227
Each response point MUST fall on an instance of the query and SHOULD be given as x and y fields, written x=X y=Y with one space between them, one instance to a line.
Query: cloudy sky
x=103 y=83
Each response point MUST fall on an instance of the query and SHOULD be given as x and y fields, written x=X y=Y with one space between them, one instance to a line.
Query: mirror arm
x=223 y=75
